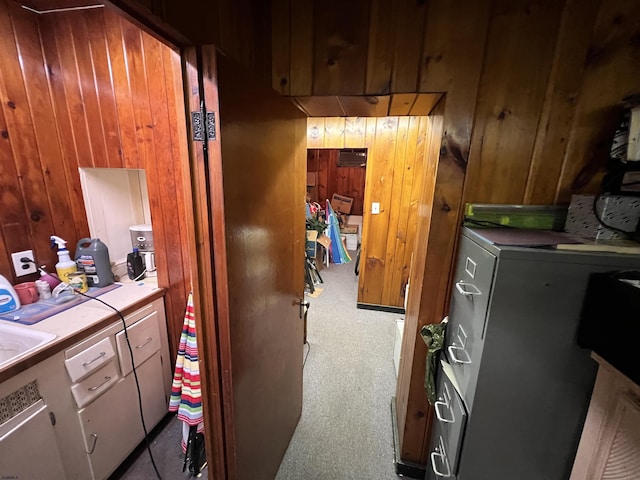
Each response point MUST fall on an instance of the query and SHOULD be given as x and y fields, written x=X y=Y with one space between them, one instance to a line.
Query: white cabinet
x=111 y=425
x=28 y=446
x=105 y=389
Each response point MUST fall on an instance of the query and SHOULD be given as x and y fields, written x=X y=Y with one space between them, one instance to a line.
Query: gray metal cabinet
x=523 y=382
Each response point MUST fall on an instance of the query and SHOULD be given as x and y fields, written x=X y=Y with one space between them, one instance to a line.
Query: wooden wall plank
x=380 y=54
x=417 y=415
x=563 y=89
x=183 y=207
x=122 y=91
x=97 y=40
x=280 y=46
x=452 y=60
x=409 y=18
x=87 y=82
x=334 y=132
x=65 y=128
x=301 y=71
x=49 y=160
x=611 y=73
x=139 y=95
x=62 y=36
x=410 y=193
x=20 y=132
x=395 y=207
x=379 y=182
x=315 y=132
x=354 y=132
x=506 y=119
x=164 y=183
x=340 y=47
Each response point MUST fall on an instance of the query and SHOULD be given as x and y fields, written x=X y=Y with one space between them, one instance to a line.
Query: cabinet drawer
x=451 y=415
x=439 y=464
x=467 y=315
x=89 y=360
x=144 y=337
x=110 y=438
x=95 y=385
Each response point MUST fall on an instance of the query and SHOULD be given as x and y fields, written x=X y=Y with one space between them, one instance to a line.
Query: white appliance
x=142 y=239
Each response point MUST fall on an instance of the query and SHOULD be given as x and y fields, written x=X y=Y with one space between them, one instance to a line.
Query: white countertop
x=81 y=317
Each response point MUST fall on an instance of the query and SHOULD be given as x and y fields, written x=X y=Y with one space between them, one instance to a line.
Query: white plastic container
x=9 y=300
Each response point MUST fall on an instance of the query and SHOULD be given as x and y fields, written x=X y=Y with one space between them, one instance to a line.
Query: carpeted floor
x=345 y=429
x=349 y=379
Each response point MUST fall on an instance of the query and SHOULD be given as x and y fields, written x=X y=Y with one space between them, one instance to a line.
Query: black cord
x=135 y=376
x=594 y=208
x=487 y=223
x=307 y=355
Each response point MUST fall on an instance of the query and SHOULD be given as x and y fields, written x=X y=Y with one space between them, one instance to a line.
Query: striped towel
x=186 y=394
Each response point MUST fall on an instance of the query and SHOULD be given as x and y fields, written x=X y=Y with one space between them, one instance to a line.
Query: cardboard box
x=349 y=229
x=312 y=243
x=341 y=204
x=617 y=211
x=351 y=240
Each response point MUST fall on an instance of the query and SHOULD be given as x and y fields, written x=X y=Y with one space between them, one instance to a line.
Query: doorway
x=400 y=165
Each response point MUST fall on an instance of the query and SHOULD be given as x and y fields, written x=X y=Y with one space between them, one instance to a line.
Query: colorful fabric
x=338 y=251
x=186 y=393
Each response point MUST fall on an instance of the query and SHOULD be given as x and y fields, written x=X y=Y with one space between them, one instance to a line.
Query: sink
x=17 y=342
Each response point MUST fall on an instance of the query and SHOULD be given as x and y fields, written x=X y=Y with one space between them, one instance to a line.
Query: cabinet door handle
x=437 y=406
x=86 y=364
x=94 y=438
x=93 y=389
x=443 y=460
x=452 y=349
x=467 y=289
x=146 y=342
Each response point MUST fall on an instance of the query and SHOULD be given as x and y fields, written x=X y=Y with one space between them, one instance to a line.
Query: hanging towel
x=186 y=394
x=433 y=335
x=339 y=254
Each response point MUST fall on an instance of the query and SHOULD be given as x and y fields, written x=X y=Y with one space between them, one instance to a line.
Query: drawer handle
x=437 y=406
x=94 y=437
x=443 y=460
x=452 y=349
x=467 y=289
x=86 y=364
x=146 y=342
x=93 y=389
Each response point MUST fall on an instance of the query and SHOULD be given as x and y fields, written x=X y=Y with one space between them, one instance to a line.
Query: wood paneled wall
x=89 y=89
x=330 y=178
x=533 y=96
x=394 y=177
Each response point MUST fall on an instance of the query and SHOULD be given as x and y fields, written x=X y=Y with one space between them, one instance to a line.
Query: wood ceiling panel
x=42 y=6
x=403 y=104
x=424 y=104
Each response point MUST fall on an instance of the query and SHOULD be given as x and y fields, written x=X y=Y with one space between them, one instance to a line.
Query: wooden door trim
x=219 y=253
x=205 y=287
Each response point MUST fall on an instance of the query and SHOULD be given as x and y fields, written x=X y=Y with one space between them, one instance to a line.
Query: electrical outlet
x=23 y=268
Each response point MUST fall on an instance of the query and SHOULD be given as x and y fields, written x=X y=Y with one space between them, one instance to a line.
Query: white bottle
x=9 y=300
x=65 y=265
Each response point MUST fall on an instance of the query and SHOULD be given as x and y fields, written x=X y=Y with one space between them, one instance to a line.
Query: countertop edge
x=55 y=348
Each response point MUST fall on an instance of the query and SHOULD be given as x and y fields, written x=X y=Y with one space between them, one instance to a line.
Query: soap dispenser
x=65 y=265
